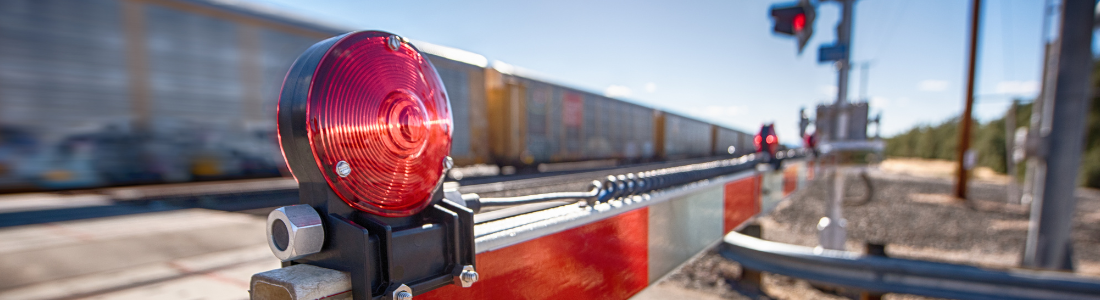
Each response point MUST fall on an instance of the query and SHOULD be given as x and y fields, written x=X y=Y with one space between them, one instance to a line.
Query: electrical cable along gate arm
x=365 y=126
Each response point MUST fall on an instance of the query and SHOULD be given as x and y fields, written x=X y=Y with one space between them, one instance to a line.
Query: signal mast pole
x=833 y=234
x=844 y=39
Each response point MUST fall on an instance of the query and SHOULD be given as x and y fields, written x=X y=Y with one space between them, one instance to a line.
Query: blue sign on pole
x=831 y=53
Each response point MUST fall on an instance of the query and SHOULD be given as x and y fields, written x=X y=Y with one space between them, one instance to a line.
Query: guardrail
x=895 y=275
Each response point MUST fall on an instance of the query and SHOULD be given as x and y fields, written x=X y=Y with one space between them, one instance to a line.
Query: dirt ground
x=914 y=214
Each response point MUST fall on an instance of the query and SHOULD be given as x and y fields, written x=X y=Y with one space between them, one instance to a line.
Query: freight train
x=117 y=92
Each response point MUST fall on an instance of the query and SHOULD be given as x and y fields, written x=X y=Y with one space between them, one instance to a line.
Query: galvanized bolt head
x=394 y=42
x=469 y=276
x=448 y=163
x=343 y=169
x=466 y=277
x=403 y=292
x=294 y=232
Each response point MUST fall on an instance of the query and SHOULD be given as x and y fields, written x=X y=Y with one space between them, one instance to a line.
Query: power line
x=893 y=26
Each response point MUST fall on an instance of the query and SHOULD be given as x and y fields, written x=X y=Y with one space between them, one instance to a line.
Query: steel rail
x=896 y=275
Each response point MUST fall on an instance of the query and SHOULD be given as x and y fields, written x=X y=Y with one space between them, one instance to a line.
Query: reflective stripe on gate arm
x=742 y=201
x=617 y=257
x=790 y=179
x=606 y=259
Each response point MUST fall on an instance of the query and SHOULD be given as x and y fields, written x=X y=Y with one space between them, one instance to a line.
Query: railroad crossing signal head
x=367 y=114
x=796 y=20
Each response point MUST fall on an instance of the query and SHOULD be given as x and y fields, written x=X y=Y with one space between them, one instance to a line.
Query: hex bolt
x=294 y=232
x=469 y=276
x=394 y=42
x=403 y=292
x=466 y=277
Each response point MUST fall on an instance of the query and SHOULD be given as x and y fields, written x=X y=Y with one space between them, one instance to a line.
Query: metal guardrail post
x=873 y=249
x=751 y=281
x=1062 y=133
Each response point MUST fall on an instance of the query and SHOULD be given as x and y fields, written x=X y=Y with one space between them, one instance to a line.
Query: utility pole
x=961 y=174
x=1061 y=135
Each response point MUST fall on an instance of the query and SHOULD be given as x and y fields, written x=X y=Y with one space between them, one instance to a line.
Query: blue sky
x=719 y=61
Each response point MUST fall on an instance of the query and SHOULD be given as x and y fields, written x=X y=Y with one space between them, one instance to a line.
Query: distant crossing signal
x=796 y=20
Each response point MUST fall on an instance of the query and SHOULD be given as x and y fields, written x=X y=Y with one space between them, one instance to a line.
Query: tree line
x=940 y=141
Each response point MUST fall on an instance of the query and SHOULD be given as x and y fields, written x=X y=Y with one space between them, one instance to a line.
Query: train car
x=463 y=75
x=110 y=92
x=115 y=92
x=535 y=122
x=730 y=142
x=681 y=137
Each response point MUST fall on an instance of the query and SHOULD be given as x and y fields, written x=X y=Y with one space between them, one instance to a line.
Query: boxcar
x=465 y=84
x=682 y=137
x=534 y=121
x=108 y=92
x=730 y=142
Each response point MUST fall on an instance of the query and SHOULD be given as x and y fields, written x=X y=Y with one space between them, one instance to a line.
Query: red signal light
x=799 y=22
x=771 y=139
x=756 y=140
x=377 y=120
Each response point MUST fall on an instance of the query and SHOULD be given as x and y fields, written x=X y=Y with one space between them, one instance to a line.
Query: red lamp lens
x=379 y=124
x=771 y=139
x=799 y=22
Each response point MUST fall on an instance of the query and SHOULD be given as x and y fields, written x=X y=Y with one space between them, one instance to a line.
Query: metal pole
x=833 y=232
x=843 y=39
x=1010 y=150
x=1048 y=240
x=961 y=175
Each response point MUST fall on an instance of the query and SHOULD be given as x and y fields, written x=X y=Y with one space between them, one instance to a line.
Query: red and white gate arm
x=611 y=250
x=365 y=126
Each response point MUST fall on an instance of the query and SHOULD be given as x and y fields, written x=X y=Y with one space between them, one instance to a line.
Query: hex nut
x=466 y=277
x=294 y=232
x=402 y=292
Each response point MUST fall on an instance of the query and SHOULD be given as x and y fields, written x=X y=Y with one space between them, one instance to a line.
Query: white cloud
x=617 y=91
x=932 y=85
x=1018 y=87
x=716 y=112
x=827 y=90
x=879 y=102
x=650 y=87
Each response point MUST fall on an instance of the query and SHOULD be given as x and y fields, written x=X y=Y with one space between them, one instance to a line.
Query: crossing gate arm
x=613 y=249
x=895 y=275
x=616 y=249
x=511 y=231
